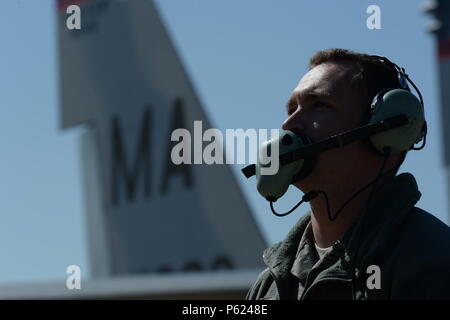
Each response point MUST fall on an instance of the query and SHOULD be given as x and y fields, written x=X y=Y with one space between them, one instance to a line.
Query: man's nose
x=294 y=121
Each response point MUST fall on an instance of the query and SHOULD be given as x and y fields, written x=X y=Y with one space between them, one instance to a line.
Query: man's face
x=324 y=104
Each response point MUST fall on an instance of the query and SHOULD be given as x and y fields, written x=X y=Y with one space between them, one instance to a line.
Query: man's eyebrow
x=308 y=95
x=292 y=100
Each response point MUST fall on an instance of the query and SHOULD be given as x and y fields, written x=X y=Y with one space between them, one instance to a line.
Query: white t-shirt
x=322 y=251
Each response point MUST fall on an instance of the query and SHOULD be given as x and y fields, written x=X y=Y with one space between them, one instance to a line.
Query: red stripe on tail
x=63 y=4
x=444 y=49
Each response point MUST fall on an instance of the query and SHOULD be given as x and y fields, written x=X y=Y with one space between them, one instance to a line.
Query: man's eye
x=319 y=104
x=292 y=110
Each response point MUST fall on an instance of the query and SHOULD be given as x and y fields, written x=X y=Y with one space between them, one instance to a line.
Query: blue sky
x=244 y=58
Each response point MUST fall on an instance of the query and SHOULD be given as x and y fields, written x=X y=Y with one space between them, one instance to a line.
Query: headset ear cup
x=375 y=102
x=393 y=102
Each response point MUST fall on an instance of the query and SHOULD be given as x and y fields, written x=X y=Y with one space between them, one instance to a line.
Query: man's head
x=333 y=97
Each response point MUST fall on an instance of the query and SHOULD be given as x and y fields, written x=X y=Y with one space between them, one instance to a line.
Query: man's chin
x=311 y=182
x=304 y=185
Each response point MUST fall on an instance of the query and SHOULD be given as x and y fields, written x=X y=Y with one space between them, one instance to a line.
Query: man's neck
x=327 y=232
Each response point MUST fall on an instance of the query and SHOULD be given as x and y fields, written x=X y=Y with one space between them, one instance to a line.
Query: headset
x=396 y=123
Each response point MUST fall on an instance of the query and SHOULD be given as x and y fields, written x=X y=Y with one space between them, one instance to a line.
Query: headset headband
x=403 y=77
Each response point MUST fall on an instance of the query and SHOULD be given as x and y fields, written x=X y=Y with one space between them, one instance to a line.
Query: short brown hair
x=371 y=75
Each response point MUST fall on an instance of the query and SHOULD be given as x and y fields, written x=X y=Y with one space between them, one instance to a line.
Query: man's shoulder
x=426 y=230
x=423 y=241
x=261 y=286
x=422 y=258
